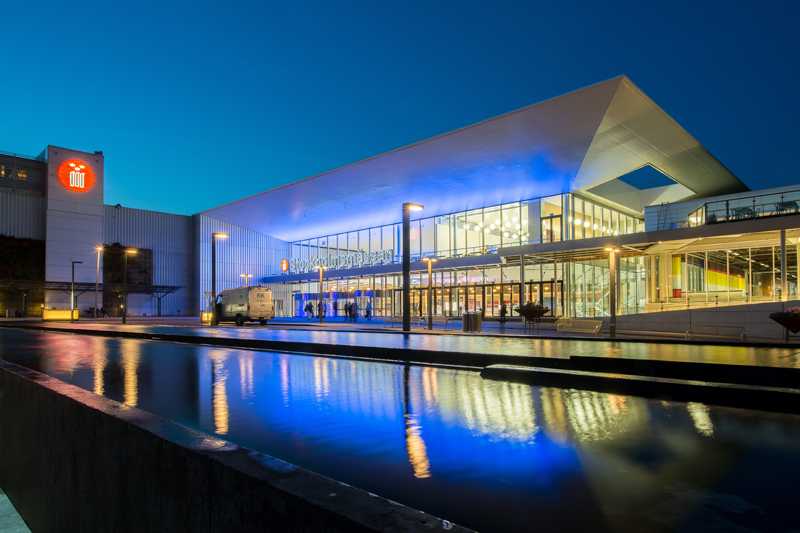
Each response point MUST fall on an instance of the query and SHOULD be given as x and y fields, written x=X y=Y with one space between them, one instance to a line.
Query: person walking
x=368 y=311
x=355 y=311
x=503 y=313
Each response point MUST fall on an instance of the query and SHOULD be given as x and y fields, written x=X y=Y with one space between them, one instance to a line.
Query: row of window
x=20 y=174
x=474 y=232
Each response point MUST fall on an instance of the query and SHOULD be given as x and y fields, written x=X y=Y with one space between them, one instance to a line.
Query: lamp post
x=430 y=261
x=246 y=278
x=99 y=250
x=72 y=292
x=408 y=207
x=321 y=306
x=612 y=293
x=125 y=254
x=214 y=236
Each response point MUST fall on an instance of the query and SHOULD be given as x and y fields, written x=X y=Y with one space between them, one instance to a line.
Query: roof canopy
x=575 y=142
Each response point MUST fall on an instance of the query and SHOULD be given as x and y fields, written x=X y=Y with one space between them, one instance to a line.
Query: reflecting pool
x=491 y=455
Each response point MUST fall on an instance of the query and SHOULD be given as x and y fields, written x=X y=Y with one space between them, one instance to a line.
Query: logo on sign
x=284 y=265
x=76 y=175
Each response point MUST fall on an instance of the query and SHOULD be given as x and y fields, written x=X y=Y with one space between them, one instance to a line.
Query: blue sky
x=196 y=104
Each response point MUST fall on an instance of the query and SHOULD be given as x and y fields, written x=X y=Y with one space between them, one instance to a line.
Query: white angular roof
x=580 y=141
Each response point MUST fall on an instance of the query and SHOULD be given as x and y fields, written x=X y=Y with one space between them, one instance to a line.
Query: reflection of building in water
x=284 y=365
x=367 y=389
x=246 y=374
x=701 y=417
x=496 y=408
x=555 y=413
x=99 y=362
x=131 y=356
x=430 y=386
x=598 y=416
x=322 y=382
x=219 y=399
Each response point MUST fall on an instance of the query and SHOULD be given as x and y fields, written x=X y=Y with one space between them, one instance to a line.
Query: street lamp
x=321 y=307
x=99 y=250
x=246 y=278
x=408 y=207
x=72 y=292
x=612 y=293
x=430 y=261
x=214 y=236
x=125 y=254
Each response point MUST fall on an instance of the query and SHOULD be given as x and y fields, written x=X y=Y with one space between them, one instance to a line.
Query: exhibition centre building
x=541 y=204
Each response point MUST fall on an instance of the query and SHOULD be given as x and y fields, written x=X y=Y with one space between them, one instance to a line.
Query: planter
x=788 y=320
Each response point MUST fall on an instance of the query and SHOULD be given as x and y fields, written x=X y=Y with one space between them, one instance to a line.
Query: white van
x=246 y=304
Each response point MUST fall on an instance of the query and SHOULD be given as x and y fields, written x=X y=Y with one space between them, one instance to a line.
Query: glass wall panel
x=460 y=234
x=444 y=245
x=387 y=238
x=492 y=227
x=475 y=232
x=577 y=218
x=428 y=240
x=375 y=240
x=739 y=274
x=363 y=241
x=763 y=273
x=511 y=224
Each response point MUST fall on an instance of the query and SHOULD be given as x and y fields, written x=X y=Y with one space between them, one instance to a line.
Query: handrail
x=749 y=207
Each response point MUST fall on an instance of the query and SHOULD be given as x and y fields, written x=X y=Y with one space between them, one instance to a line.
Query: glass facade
x=466 y=233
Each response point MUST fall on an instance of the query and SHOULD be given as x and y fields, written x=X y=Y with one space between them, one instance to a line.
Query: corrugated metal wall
x=170 y=237
x=244 y=252
x=22 y=214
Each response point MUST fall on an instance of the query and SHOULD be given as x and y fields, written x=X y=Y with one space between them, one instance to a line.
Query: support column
x=612 y=292
x=406 y=268
x=784 y=269
x=521 y=280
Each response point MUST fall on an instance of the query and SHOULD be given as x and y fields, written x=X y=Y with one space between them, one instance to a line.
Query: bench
x=579 y=325
x=716 y=330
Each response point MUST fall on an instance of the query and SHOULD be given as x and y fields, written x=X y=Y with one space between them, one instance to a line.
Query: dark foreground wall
x=74 y=461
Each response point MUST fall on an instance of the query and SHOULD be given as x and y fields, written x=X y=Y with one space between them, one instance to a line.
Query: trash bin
x=471 y=321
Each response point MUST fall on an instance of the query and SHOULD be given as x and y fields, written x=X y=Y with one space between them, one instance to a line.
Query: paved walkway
x=472 y=345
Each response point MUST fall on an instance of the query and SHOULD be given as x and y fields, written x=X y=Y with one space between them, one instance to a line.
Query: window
x=2 y=171
x=22 y=174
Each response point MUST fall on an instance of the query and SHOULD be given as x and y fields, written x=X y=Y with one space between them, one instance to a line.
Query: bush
x=532 y=311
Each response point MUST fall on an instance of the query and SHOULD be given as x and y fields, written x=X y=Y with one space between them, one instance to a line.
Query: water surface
x=491 y=455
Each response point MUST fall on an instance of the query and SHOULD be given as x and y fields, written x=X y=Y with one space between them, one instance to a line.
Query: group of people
x=351 y=311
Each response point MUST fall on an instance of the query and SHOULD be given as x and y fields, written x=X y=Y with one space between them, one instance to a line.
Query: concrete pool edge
x=766 y=398
x=764 y=375
x=73 y=460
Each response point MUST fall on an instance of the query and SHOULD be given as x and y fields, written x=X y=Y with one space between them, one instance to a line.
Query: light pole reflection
x=219 y=393
x=415 y=446
x=130 y=370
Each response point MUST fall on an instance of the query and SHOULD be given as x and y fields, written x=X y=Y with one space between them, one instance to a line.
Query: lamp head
x=413 y=206
x=219 y=235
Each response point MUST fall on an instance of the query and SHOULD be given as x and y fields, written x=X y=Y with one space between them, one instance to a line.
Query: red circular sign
x=76 y=175
x=284 y=265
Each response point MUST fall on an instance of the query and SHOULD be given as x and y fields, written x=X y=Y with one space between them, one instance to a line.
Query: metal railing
x=758 y=206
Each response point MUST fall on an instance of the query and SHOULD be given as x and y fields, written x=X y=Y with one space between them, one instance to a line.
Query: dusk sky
x=195 y=104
